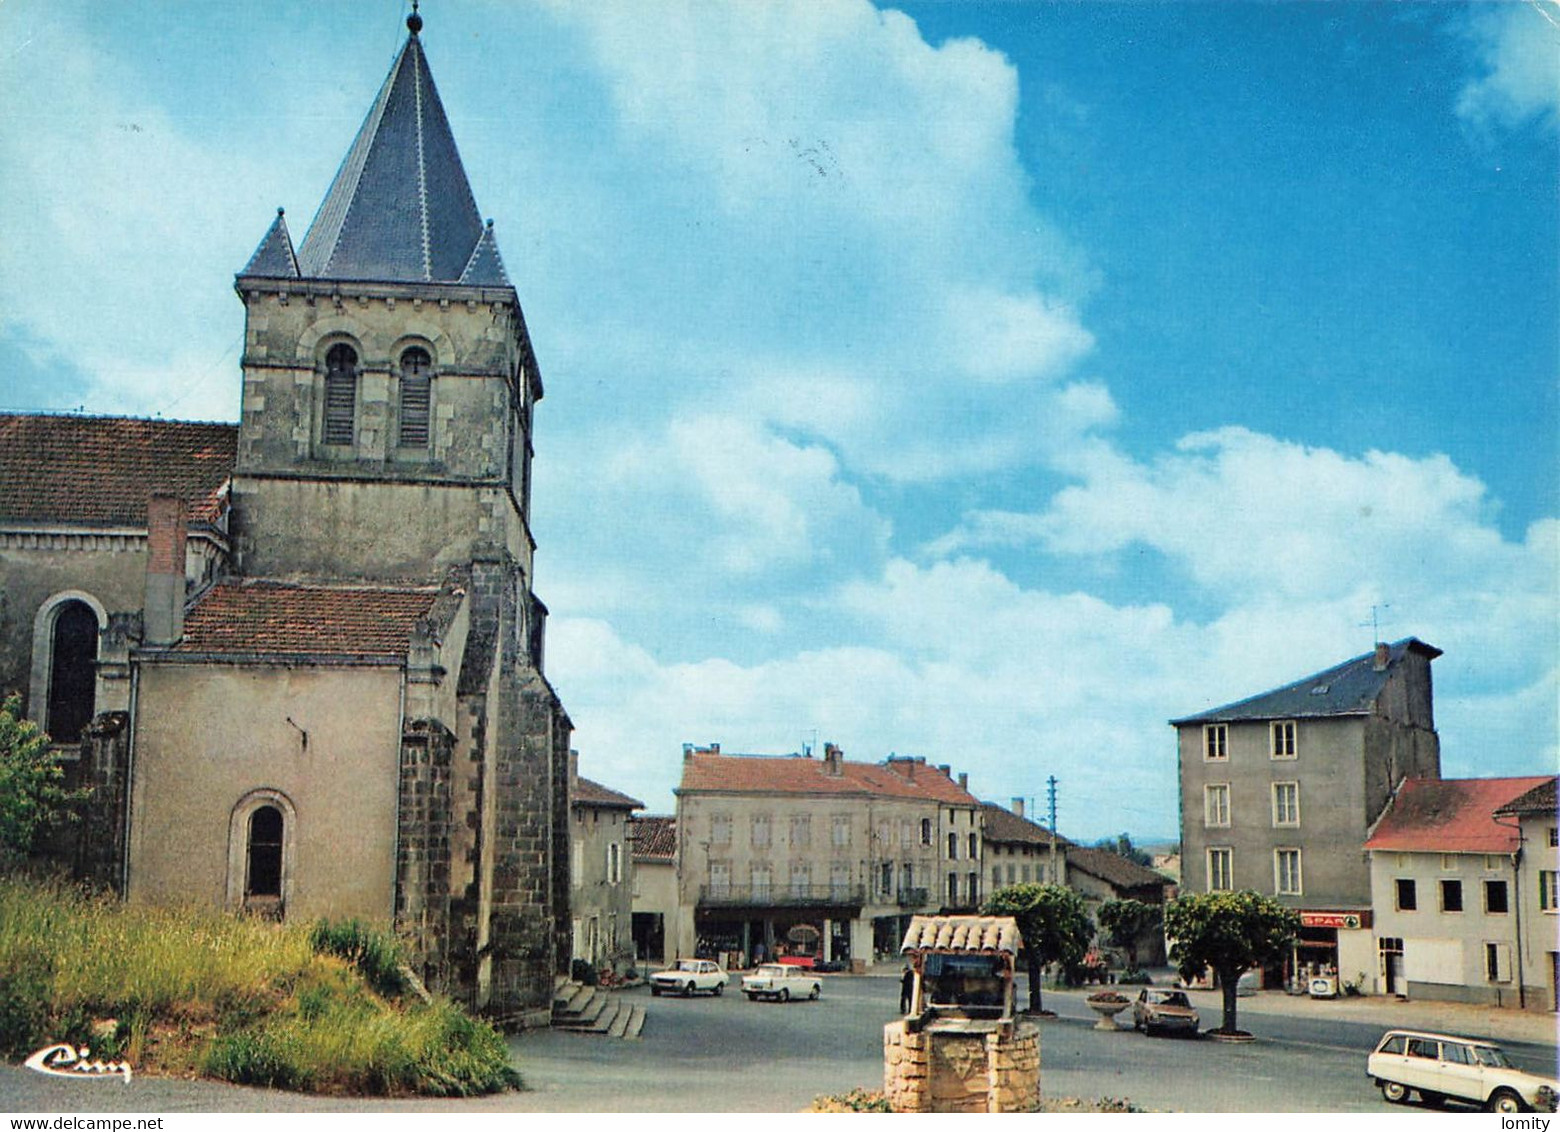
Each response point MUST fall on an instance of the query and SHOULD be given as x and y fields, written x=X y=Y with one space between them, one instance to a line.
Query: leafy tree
x=1052 y=920
x=1125 y=922
x=1122 y=846
x=1231 y=932
x=31 y=797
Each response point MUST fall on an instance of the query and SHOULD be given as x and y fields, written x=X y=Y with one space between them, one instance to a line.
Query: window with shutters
x=339 y=427
x=416 y=397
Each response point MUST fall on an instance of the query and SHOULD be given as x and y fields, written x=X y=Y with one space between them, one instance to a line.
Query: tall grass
x=240 y=999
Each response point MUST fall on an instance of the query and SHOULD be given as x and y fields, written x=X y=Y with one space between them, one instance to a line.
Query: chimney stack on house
x=947 y=771
x=1383 y=656
x=832 y=757
x=1018 y=807
x=166 y=532
x=964 y=781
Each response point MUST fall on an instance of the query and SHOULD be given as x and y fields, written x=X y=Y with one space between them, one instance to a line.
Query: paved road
x=729 y=1055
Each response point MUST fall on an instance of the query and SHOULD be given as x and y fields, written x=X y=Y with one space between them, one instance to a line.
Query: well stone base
x=978 y=1068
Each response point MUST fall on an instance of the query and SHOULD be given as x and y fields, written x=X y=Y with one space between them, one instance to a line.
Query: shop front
x=1333 y=951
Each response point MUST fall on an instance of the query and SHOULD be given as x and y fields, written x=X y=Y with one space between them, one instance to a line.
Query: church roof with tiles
x=79 y=471
x=272 y=619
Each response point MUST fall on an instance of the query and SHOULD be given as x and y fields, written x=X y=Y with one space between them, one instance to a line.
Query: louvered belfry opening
x=416 y=394
x=340 y=394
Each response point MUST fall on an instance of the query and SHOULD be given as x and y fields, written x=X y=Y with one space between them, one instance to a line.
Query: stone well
x=960 y=1049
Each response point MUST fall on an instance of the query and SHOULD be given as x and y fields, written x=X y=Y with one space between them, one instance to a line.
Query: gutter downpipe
x=135 y=700
x=1516 y=883
x=395 y=837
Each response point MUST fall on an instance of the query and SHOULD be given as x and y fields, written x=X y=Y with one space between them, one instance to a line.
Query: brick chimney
x=964 y=781
x=947 y=771
x=1018 y=807
x=166 y=532
x=832 y=757
x=1383 y=656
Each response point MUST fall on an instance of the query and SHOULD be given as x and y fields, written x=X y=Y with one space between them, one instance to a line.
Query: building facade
x=1020 y=851
x=300 y=659
x=1444 y=892
x=1279 y=792
x=601 y=873
x=1537 y=883
x=654 y=841
x=825 y=857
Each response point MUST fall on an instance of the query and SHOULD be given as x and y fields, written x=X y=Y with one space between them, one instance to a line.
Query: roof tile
x=99 y=471
x=797 y=774
x=654 y=837
x=588 y=793
x=1451 y=815
x=269 y=618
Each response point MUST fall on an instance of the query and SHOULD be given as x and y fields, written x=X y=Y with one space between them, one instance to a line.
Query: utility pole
x=1050 y=784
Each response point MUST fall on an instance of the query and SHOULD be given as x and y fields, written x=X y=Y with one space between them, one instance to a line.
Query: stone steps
x=591 y=1010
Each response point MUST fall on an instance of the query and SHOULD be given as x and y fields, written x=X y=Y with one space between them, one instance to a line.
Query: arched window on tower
x=341 y=369
x=263 y=875
x=72 y=671
x=416 y=395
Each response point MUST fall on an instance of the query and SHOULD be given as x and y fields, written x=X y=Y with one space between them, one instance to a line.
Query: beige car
x=1443 y=1066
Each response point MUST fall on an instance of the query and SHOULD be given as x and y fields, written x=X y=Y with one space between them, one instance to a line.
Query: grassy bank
x=196 y=992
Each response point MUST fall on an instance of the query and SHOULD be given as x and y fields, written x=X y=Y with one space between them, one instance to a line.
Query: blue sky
x=989 y=382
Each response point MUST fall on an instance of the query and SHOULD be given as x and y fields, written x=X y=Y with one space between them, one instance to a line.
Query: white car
x=1441 y=1066
x=687 y=976
x=781 y=982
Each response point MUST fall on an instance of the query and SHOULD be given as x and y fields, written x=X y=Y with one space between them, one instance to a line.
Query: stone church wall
x=225 y=728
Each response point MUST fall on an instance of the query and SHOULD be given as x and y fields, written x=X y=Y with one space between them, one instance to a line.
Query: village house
x=653 y=838
x=1279 y=791
x=1443 y=886
x=1020 y=851
x=825 y=857
x=601 y=873
x=1537 y=886
x=1101 y=876
x=300 y=659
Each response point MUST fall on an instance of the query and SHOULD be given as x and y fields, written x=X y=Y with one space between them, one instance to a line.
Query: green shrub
x=376 y=955
x=236 y=998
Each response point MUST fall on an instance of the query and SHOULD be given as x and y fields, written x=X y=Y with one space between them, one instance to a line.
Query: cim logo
x=66 y=1060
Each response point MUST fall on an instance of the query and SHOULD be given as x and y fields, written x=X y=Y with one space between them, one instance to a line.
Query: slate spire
x=400 y=208
x=274 y=257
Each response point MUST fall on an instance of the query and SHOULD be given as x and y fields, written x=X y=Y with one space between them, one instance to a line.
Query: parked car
x=1164 y=1010
x=781 y=982
x=1442 y=1066
x=687 y=976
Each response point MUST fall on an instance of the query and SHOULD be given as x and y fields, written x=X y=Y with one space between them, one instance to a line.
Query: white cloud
x=1518 y=50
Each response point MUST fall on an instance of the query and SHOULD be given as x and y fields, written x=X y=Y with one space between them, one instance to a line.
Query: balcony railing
x=782 y=896
x=912 y=897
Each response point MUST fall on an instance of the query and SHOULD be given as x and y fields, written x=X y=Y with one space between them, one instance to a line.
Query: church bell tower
x=388 y=375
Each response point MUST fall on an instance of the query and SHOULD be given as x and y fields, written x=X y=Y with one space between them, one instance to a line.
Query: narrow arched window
x=416 y=391
x=264 y=874
x=72 y=671
x=341 y=367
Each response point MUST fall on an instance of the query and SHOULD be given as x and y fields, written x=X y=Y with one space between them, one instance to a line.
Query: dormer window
x=416 y=397
x=341 y=372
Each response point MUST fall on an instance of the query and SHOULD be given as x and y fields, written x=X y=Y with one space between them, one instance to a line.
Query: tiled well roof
x=654 y=837
x=99 y=471
x=795 y=774
x=268 y=618
x=1451 y=815
x=1006 y=827
x=400 y=208
x=1114 y=869
x=1539 y=800
x=961 y=933
x=1349 y=688
x=588 y=793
